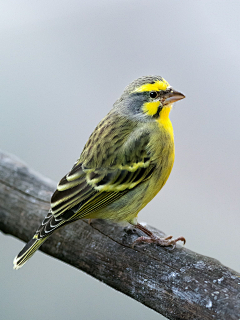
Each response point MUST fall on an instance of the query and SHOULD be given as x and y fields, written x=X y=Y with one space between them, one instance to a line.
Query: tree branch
x=179 y=284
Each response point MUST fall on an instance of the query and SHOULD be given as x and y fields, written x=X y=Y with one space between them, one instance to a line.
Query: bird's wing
x=122 y=164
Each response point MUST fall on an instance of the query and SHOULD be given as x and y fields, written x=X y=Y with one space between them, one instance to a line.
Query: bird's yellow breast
x=152 y=109
x=164 y=154
x=164 y=121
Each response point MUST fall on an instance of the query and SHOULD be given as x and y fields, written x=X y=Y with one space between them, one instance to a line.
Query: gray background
x=63 y=64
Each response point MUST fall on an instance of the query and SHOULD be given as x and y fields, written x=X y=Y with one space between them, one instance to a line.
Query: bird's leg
x=164 y=242
x=89 y=221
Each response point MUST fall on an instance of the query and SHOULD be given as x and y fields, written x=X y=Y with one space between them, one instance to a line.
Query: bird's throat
x=165 y=122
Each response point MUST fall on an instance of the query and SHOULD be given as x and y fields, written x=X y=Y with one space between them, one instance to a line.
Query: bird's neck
x=164 y=121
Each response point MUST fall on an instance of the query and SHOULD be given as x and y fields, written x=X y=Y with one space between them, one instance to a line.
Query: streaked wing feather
x=104 y=198
x=86 y=189
x=87 y=197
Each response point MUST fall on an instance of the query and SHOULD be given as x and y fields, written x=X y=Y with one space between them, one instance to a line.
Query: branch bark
x=179 y=284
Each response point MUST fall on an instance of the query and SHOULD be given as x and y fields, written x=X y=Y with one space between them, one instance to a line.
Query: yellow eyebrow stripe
x=156 y=86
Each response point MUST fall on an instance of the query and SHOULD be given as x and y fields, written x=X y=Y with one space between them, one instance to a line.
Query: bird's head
x=149 y=96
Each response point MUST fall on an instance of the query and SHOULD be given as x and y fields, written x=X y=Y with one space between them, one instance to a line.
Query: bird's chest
x=163 y=156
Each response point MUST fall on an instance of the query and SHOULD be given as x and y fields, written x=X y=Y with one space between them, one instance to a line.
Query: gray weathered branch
x=179 y=284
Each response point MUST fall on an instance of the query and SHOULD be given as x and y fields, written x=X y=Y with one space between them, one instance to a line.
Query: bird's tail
x=48 y=226
x=27 y=252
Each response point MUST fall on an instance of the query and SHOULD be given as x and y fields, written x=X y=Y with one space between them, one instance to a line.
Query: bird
x=124 y=164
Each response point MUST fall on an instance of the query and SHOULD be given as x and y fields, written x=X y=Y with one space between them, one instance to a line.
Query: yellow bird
x=124 y=164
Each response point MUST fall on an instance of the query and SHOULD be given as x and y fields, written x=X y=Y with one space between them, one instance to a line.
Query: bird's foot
x=164 y=242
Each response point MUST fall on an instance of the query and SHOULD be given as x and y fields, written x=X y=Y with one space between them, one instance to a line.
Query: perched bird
x=124 y=164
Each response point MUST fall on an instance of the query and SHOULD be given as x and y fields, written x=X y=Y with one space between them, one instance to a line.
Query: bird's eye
x=153 y=94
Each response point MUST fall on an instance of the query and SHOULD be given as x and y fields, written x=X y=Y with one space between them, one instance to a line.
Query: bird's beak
x=172 y=96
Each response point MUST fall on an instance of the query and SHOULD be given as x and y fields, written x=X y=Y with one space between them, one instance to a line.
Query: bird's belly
x=128 y=206
x=164 y=164
x=124 y=209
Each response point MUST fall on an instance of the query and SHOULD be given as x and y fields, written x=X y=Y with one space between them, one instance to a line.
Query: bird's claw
x=164 y=242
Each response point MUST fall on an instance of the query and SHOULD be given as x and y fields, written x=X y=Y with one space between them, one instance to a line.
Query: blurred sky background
x=63 y=64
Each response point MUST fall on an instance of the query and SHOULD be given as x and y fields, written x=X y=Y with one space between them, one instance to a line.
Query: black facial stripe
x=156 y=115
